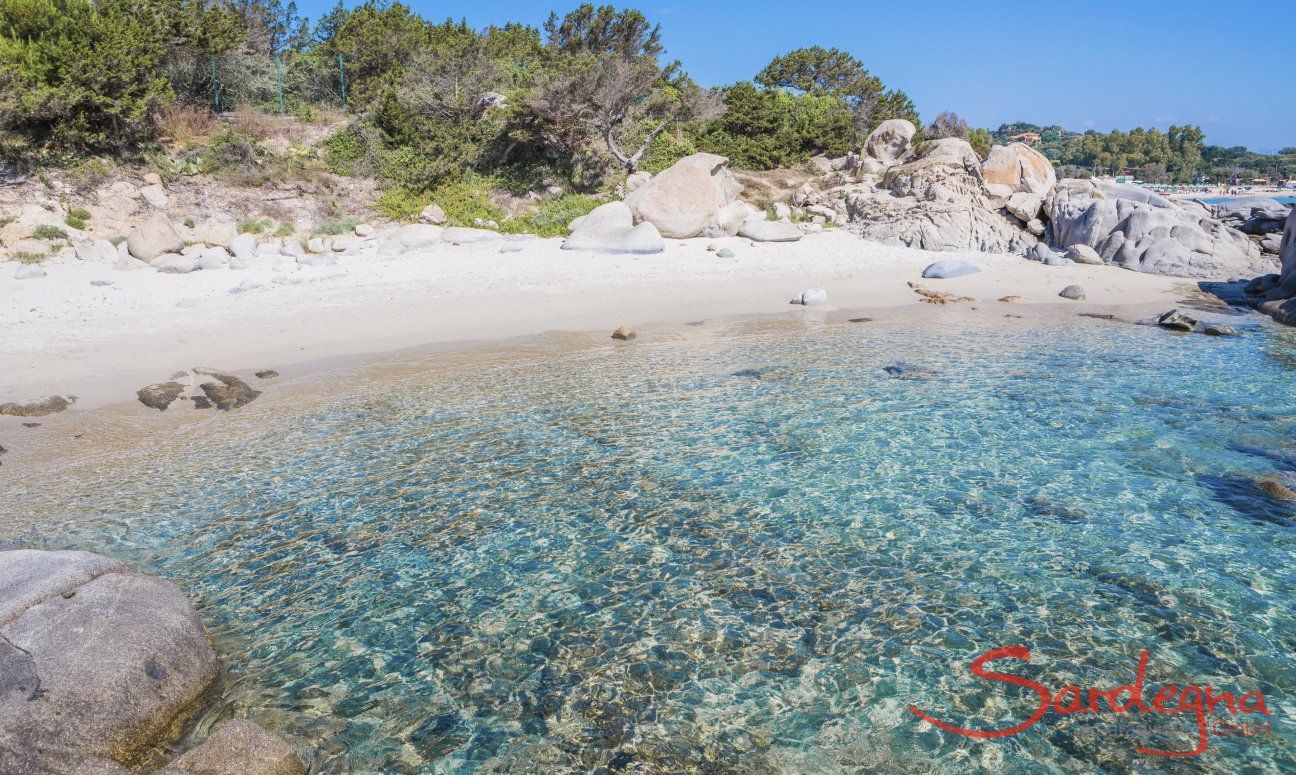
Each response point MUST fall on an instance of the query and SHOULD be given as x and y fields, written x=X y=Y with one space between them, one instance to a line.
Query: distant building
x=1026 y=137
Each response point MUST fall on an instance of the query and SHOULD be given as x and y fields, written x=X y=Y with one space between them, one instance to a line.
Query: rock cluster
x=1275 y=294
x=1136 y=229
x=203 y=388
x=695 y=197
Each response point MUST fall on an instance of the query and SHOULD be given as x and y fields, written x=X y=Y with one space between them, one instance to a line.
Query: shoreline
x=102 y=344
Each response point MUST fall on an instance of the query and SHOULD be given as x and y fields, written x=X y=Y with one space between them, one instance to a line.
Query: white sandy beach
x=64 y=336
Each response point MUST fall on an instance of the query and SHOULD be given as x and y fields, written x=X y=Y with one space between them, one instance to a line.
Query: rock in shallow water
x=1073 y=292
x=811 y=297
x=625 y=334
x=38 y=407
x=1176 y=320
x=160 y=396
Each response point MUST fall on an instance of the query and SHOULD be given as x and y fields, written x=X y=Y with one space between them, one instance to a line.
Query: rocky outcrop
x=1136 y=229
x=610 y=228
x=160 y=396
x=1020 y=168
x=1275 y=294
x=96 y=660
x=686 y=200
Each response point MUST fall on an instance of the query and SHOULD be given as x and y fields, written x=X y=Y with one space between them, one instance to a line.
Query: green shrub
x=285 y=230
x=189 y=222
x=253 y=227
x=48 y=231
x=117 y=240
x=552 y=217
x=338 y=227
x=231 y=151
x=82 y=77
x=79 y=213
x=28 y=257
x=768 y=128
x=344 y=150
x=399 y=204
x=467 y=200
x=76 y=223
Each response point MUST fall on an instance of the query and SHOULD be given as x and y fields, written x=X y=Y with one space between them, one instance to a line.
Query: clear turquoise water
x=741 y=553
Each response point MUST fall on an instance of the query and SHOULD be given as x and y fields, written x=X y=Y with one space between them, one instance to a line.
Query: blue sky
x=1101 y=64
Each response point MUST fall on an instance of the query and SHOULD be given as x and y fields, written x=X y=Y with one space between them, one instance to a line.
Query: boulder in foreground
x=95 y=660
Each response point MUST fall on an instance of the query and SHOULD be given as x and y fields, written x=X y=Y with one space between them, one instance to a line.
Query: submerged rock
x=1219 y=330
x=267 y=374
x=909 y=371
x=238 y=747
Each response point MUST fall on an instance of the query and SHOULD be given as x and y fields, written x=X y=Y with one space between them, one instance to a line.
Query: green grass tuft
x=48 y=231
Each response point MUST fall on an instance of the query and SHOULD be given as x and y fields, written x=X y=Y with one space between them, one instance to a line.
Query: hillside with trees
x=1179 y=155
x=418 y=105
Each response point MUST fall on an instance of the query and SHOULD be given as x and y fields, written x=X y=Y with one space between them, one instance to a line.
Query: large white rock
x=154 y=237
x=99 y=251
x=610 y=228
x=216 y=233
x=1134 y=228
x=244 y=246
x=29 y=272
x=1019 y=167
x=686 y=199
x=174 y=263
x=889 y=143
x=770 y=231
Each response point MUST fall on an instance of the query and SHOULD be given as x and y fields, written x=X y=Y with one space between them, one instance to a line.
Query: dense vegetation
x=1179 y=155
x=439 y=103
x=436 y=102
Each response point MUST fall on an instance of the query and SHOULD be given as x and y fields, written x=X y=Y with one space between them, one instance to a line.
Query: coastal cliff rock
x=937 y=201
x=686 y=200
x=98 y=661
x=1136 y=229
